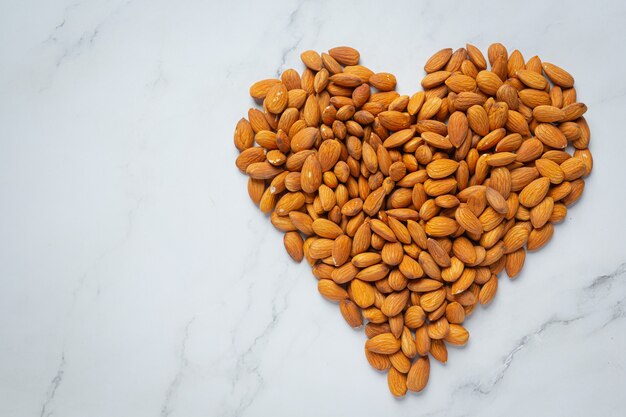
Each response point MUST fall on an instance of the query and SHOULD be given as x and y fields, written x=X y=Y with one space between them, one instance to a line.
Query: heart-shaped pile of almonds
x=407 y=208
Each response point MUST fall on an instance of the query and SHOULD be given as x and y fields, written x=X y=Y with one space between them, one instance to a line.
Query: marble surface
x=136 y=278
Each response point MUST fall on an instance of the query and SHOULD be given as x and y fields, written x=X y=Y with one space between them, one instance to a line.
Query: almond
x=558 y=75
x=394 y=120
x=550 y=170
x=467 y=99
x=455 y=314
x=244 y=135
x=394 y=303
x=293 y=243
x=532 y=79
x=441 y=168
x=478 y=119
x=457 y=128
x=397 y=382
x=410 y=268
x=418 y=375
x=457 y=335
x=430 y=108
x=259 y=89
x=430 y=301
x=529 y=150
x=373 y=273
x=534 y=192
x=384 y=343
x=541 y=213
x=250 y=156
x=331 y=291
x=459 y=83
x=550 y=136
x=414 y=317
x=277 y=98
x=548 y=114
x=383 y=81
x=377 y=360
x=262 y=171
x=346 y=80
x=351 y=313
x=311 y=177
x=487 y=292
x=341 y=249
x=304 y=139
x=538 y=238
x=436 y=140
x=495 y=200
x=533 y=98
x=362 y=293
x=345 y=55
x=438 y=60
x=312 y=60
x=399 y=138
x=573 y=168
x=468 y=220
x=326 y=228
x=441 y=226
x=488 y=82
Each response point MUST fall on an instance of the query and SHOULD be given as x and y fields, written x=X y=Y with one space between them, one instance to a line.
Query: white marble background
x=136 y=279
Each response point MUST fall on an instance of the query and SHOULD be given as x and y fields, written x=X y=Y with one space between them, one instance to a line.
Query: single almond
x=345 y=55
x=550 y=170
x=331 y=291
x=418 y=375
x=383 y=81
x=438 y=60
x=468 y=220
x=488 y=82
x=548 y=114
x=294 y=245
x=312 y=60
x=550 y=136
x=558 y=75
x=351 y=313
x=259 y=89
x=311 y=177
x=384 y=343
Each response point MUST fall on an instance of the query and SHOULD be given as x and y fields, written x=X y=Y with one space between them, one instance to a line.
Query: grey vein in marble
x=243 y=367
x=293 y=20
x=53 y=387
x=183 y=362
x=87 y=38
x=523 y=343
x=289 y=49
x=605 y=280
x=598 y=283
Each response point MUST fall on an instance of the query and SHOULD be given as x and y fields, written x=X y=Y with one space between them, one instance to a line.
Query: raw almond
x=438 y=60
x=311 y=177
x=550 y=136
x=558 y=75
x=345 y=55
x=385 y=344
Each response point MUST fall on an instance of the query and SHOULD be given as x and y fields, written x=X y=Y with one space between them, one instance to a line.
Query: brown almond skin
x=418 y=375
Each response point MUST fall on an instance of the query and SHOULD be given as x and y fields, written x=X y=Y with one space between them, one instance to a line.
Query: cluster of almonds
x=410 y=206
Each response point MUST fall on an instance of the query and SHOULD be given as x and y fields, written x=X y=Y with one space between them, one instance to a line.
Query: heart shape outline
x=518 y=118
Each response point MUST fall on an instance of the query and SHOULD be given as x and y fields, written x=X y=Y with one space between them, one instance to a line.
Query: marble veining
x=183 y=362
x=54 y=385
x=139 y=280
